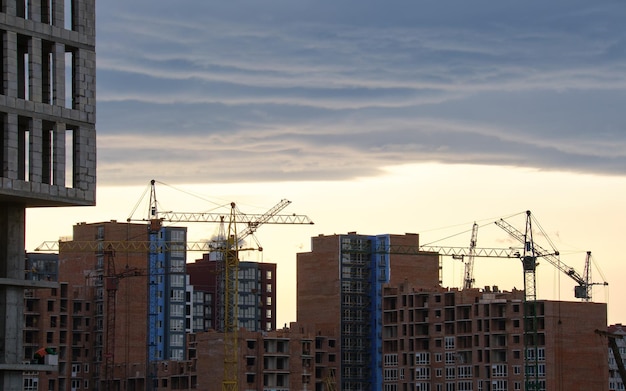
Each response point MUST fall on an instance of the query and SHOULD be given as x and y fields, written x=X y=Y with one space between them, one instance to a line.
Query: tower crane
x=230 y=259
x=468 y=280
x=155 y=248
x=529 y=262
x=532 y=250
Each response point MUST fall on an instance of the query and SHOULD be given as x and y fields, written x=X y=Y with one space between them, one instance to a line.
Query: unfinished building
x=48 y=143
x=476 y=340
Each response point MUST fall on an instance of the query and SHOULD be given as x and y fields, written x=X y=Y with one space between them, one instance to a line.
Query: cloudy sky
x=310 y=90
x=398 y=116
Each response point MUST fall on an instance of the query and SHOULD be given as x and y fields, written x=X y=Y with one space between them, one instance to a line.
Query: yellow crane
x=229 y=247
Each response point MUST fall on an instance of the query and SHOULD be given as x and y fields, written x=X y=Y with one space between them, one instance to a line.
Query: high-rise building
x=48 y=143
x=450 y=339
x=256 y=291
x=618 y=333
x=340 y=284
x=135 y=304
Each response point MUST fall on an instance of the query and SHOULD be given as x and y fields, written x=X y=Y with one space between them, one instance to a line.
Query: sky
x=375 y=117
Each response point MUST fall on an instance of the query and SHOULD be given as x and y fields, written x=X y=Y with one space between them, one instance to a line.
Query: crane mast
x=468 y=279
x=229 y=249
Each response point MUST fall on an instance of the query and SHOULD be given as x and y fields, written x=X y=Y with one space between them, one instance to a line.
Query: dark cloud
x=280 y=90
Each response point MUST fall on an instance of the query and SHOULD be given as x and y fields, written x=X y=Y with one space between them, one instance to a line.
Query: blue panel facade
x=166 y=294
x=362 y=274
x=156 y=286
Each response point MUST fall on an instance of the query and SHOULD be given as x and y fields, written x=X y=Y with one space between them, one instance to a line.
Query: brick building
x=294 y=358
x=447 y=339
x=340 y=285
x=257 y=293
x=96 y=282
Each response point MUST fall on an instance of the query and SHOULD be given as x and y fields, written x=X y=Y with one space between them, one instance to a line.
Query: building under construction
x=48 y=143
x=400 y=330
x=340 y=284
x=117 y=315
x=476 y=339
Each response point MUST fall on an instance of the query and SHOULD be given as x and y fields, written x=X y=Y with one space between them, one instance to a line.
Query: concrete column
x=58 y=13
x=34 y=68
x=58 y=75
x=35 y=158
x=11 y=146
x=34 y=10
x=12 y=234
x=58 y=155
x=84 y=17
x=85 y=158
x=10 y=63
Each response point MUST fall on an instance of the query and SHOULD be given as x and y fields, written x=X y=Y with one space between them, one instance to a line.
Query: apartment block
x=618 y=333
x=294 y=358
x=340 y=285
x=257 y=294
x=127 y=309
x=479 y=340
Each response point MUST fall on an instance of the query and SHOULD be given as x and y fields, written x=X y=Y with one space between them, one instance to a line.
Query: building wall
x=43 y=124
x=257 y=293
x=340 y=284
x=615 y=380
x=474 y=340
x=294 y=358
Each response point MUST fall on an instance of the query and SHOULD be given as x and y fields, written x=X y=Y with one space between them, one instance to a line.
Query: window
x=177 y=265
x=450 y=373
x=449 y=343
x=268 y=275
x=390 y=360
x=176 y=339
x=176 y=324
x=438 y=357
x=464 y=372
x=390 y=374
x=268 y=288
x=422 y=373
x=449 y=358
x=465 y=386
x=177 y=310
x=177 y=295
x=75 y=368
x=422 y=386
x=422 y=358
x=499 y=370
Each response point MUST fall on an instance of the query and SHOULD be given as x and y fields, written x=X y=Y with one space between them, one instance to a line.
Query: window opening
x=69 y=157
x=22 y=67
x=69 y=78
